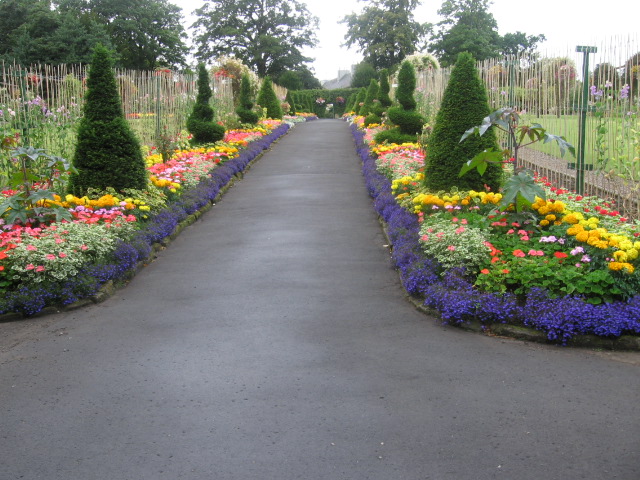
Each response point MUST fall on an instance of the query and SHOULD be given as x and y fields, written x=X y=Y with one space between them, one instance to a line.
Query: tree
x=267 y=35
x=520 y=43
x=267 y=99
x=363 y=74
x=31 y=32
x=200 y=123
x=464 y=105
x=290 y=80
x=467 y=27
x=107 y=152
x=245 y=102
x=385 y=32
x=145 y=33
x=409 y=122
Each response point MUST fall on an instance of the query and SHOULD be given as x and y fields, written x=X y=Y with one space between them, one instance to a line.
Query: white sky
x=565 y=23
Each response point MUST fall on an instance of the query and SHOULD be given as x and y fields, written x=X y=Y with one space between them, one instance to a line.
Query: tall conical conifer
x=107 y=152
x=464 y=105
x=200 y=123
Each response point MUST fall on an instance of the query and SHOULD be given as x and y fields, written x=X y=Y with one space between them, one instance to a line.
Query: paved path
x=271 y=341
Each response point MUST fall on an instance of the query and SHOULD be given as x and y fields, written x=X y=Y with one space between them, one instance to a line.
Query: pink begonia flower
x=536 y=253
x=59 y=241
x=454 y=219
x=39 y=268
x=62 y=255
x=519 y=253
x=509 y=232
x=424 y=238
x=32 y=248
x=31 y=266
x=464 y=221
x=84 y=247
x=451 y=248
x=50 y=256
x=524 y=238
x=459 y=230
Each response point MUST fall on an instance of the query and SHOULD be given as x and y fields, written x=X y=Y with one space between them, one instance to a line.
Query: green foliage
x=520 y=43
x=394 y=135
x=290 y=80
x=405 y=116
x=267 y=35
x=28 y=204
x=107 y=152
x=245 y=103
x=372 y=118
x=468 y=26
x=521 y=189
x=464 y=103
x=267 y=99
x=144 y=33
x=200 y=123
x=362 y=93
x=406 y=86
x=370 y=97
x=362 y=75
x=385 y=32
x=383 y=96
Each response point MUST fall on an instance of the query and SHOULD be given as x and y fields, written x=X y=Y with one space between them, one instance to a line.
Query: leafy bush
x=107 y=152
x=369 y=99
x=245 y=103
x=267 y=99
x=200 y=123
x=464 y=103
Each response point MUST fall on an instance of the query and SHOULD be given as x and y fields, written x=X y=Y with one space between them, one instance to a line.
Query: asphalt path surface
x=272 y=341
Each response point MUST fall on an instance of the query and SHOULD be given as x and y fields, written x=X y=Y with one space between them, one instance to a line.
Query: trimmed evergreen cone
x=409 y=121
x=245 y=103
x=107 y=152
x=200 y=123
x=267 y=99
x=464 y=105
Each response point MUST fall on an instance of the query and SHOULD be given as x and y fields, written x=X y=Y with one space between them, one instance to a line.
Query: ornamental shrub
x=267 y=99
x=371 y=95
x=383 y=94
x=107 y=152
x=362 y=93
x=200 y=123
x=464 y=104
x=245 y=102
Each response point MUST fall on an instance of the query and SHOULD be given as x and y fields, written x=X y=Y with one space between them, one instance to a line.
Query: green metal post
x=583 y=116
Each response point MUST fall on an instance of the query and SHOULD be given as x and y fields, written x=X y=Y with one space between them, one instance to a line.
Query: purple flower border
x=124 y=262
x=458 y=302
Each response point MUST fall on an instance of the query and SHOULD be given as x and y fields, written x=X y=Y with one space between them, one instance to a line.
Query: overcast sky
x=565 y=23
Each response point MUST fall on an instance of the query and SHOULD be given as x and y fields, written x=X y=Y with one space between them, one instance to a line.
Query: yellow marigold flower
x=582 y=236
x=597 y=234
x=145 y=208
x=571 y=219
x=550 y=218
x=543 y=210
x=544 y=223
x=632 y=254
x=602 y=244
x=620 y=256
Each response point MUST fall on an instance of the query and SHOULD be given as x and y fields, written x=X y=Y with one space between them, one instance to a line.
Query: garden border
x=417 y=277
x=162 y=228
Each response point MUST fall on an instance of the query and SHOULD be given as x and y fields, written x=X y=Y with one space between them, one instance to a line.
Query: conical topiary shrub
x=107 y=152
x=200 y=123
x=409 y=122
x=245 y=102
x=383 y=94
x=267 y=99
x=362 y=93
x=464 y=105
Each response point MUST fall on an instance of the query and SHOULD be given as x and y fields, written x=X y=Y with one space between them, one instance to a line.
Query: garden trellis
x=547 y=86
x=43 y=102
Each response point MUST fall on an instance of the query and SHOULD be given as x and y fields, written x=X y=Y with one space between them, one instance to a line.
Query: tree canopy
x=266 y=35
x=144 y=33
x=468 y=26
x=385 y=32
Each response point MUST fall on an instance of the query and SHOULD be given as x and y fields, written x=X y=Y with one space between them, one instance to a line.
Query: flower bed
x=110 y=236
x=444 y=257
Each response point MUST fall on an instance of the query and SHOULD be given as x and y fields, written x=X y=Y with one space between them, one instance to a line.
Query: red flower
x=560 y=255
x=484 y=271
x=519 y=253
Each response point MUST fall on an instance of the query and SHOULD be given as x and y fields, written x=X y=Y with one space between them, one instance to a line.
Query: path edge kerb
x=515 y=332
x=111 y=287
